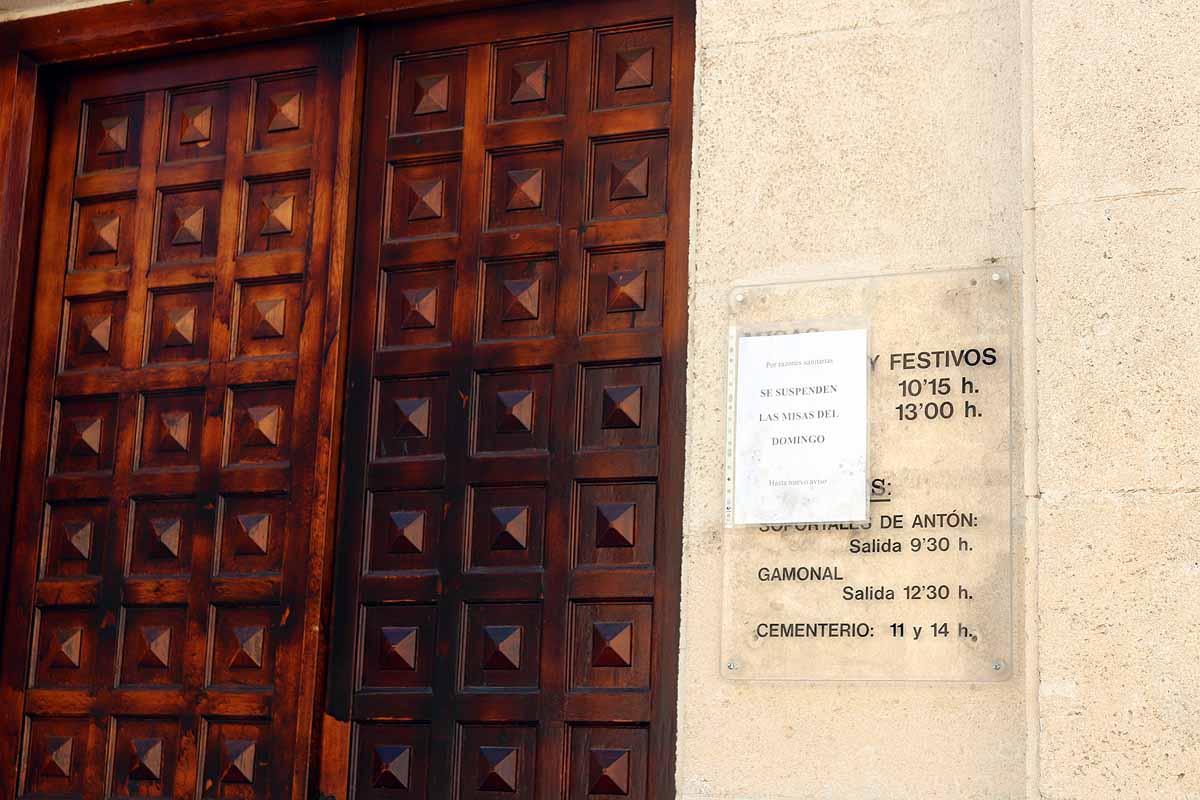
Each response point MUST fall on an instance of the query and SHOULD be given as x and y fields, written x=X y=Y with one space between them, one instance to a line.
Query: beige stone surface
x=890 y=140
x=896 y=146
x=1119 y=645
x=1115 y=97
x=1119 y=343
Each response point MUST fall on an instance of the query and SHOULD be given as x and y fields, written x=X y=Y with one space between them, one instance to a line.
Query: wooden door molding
x=169 y=560
x=506 y=599
x=23 y=117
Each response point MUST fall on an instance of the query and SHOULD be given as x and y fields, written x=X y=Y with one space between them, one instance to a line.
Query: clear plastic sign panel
x=869 y=464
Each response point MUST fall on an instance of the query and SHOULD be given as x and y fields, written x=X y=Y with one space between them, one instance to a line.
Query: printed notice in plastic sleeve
x=801 y=428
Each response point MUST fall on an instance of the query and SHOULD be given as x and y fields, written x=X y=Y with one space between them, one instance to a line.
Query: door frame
x=35 y=51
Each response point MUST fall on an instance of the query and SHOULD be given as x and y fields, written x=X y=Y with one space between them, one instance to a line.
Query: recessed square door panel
x=525 y=187
x=187 y=224
x=94 y=337
x=424 y=199
x=75 y=538
x=58 y=751
x=519 y=298
x=286 y=108
x=418 y=307
x=111 y=134
x=103 y=234
x=530 y=79
x=172 y=503
x=268 y=319
x=152 y=642
x=179 y=324
x=197 y=124
x=391 y=760
x=144 y=756
x=507 y=561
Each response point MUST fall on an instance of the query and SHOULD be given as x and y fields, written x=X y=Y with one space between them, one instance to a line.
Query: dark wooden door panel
x=506 y=606
x=169 y=531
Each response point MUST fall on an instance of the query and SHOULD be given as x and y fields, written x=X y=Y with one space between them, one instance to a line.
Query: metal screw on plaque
x=739 y=297
x=996 y=277
x=731 y=666
x=997 y=665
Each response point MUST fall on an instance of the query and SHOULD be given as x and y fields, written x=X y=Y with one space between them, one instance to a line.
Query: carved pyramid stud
x=264 y=426
x=176 y=431
x=58 y=757
x=179 y=327
x=145 y=759
x=114 y=135
x=280 y=208
x=284 y=111
x=418 y=307
x=529 y=81
x=635 y=68
x=195 y=124
x=622 y=407
x=524 y=189
x=393 y=766
x=521 y=298
x=502 y=647
x=66 y=647
x=510 y=527
x=254 y=534
x=408 y=533
x=612 y=644
x=426 y=198
x=189 y=225
x=398 y=648
x=77 y=540
x=515 y=411
x=86 y=435
x=616 y=524
x=432 y=94
x=412 y=417
x=156 y=647
x=498 y=766
x=238 y=761
x=106 y=233
x=249 y=651
x=629 y=178
x=627 y=290
x=165 y=533
x=608 y=771
x=269 y=322
x=97 y=334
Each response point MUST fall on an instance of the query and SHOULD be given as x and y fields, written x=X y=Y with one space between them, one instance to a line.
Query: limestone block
x=897 y=144
x=1118 y=321
x=1116 y=101
x=1118 y=583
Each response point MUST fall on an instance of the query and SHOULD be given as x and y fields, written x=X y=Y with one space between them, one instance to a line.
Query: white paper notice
x=801 y=434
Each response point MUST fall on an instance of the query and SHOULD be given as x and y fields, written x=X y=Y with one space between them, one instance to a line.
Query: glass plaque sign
x=869 y=499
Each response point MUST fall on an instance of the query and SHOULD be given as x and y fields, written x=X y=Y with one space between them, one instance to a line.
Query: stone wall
x=840 y=137
x=1059 y=139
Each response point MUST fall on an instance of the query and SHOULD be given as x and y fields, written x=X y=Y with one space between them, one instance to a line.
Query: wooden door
x=506 y=608
x=167 y=557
